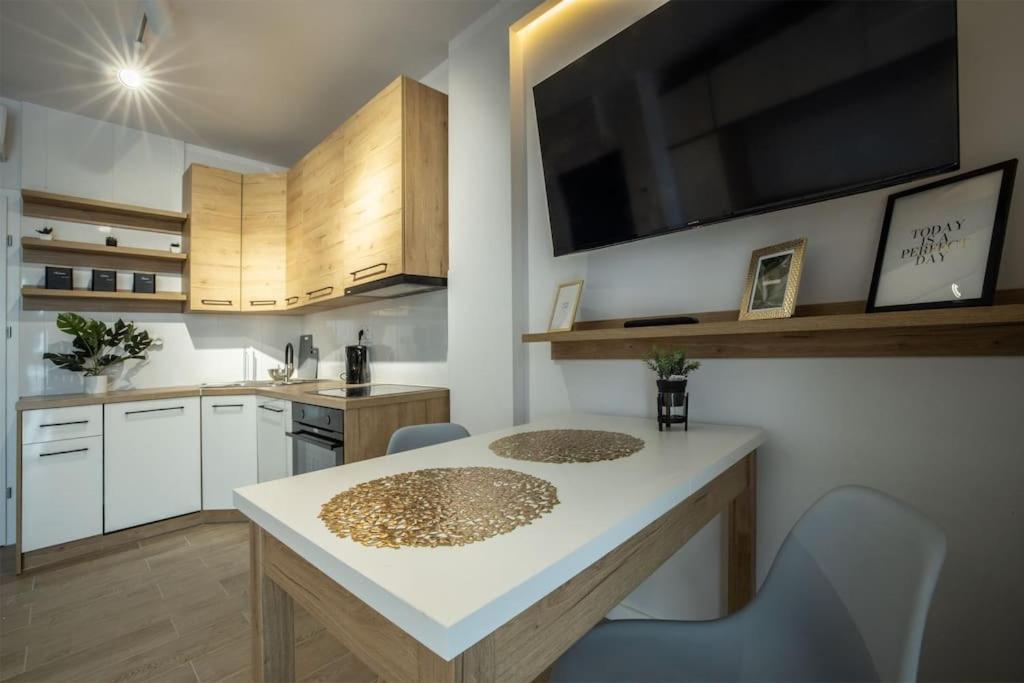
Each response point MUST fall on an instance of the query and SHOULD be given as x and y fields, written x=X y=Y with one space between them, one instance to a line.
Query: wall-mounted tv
x=706 y=110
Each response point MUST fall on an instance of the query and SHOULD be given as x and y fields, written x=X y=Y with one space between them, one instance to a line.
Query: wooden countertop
x=448 y=598
x=304 y=392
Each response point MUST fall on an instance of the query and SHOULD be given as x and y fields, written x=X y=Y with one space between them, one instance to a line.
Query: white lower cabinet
x=229 y=448
x=62 y=491
x=151 y=461
x=273 y=448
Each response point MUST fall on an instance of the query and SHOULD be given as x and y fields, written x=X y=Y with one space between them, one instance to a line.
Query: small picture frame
x=567 y=302
x=773 y=280
x=941 y=243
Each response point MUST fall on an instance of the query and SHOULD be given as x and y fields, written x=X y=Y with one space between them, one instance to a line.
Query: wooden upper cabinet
x=294 y=250
x=212 y=198
x=264 y=237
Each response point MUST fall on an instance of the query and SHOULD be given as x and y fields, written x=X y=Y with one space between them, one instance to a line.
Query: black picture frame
x=995 y=252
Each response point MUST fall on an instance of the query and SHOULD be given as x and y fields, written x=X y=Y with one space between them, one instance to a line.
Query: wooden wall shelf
x=826 y=330
x=65 y=253
x=41 y=299
x=62 y=207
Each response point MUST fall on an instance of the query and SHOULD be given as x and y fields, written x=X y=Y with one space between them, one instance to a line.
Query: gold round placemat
x=438 y=507
x=567 y=445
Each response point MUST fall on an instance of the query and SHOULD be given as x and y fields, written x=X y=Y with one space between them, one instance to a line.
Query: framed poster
x=773 y=280
x=567 y=302
x=941 y=242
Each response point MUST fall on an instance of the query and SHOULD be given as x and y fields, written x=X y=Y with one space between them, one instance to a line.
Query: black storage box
x=144 y=283
x=58 y=278
x=104 y=280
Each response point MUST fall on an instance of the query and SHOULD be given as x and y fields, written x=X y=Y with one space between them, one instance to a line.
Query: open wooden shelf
x=62 y=207
x=42 y=299
x=825 y=330
x=65 y=253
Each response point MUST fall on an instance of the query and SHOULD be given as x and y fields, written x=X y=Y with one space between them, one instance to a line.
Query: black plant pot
x=672 y=397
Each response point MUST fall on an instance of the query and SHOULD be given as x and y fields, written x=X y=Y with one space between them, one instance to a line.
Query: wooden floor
x=173 y=608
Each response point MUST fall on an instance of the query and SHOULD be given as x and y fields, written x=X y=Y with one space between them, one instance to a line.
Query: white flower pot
x=48 y=236
x=96 y=384
x=175 y=250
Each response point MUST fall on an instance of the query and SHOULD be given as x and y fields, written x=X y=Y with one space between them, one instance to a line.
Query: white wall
x=943 y=434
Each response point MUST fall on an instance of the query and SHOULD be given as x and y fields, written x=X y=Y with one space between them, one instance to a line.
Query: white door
x=229 y=448
x=273 y=418
x=62 y=484
x=151 y=461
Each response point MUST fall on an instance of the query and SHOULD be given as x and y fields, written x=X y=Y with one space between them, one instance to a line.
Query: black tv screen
x=706 y=110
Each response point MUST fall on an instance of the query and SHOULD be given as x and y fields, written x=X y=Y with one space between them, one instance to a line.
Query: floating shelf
x=41 y=299
x=65 y=253
x=827 y=330
x=62 y=207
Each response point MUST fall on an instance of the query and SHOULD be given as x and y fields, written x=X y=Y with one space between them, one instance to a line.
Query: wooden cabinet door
x=372 y=189
x=229 y=448
x=213 y=239
x=295 y=261
x=264 y=233
x=322 y=239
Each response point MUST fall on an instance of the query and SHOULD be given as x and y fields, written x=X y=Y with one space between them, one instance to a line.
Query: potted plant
x=97 y=347
x=45 y=233
x=175 y=247
x=111 y=241
x=672 y=370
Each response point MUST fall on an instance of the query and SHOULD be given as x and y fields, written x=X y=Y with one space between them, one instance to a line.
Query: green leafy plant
x=668 y=364
x=98 y=347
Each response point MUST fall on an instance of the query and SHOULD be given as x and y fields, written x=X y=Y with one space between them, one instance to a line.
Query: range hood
x=397 y=286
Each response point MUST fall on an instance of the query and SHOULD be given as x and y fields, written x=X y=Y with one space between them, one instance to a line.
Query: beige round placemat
x=567 y=445
x=438 y=507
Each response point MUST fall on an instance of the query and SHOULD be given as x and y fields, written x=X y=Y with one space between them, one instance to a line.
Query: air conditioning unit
x=3 y=133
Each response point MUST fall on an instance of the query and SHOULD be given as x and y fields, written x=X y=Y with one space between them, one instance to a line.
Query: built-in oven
x=318 y=438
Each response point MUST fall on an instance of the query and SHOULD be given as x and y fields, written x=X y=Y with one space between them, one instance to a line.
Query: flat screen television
x=706 y=110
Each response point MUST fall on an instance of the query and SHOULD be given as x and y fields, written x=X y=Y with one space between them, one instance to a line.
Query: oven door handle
x=315 y=440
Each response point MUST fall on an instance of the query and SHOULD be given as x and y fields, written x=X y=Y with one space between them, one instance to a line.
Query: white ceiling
x=266 y=79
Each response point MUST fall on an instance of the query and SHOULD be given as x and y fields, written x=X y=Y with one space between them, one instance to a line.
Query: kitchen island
x=504 y=607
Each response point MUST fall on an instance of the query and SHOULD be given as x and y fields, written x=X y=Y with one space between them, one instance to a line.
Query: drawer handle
x=153 y=410
x=292 y=300
x=73 y=450
x=263 y=302
x=64 y=424
x=216 y=302
x=355 y=273
x=228 y=405
x=273 y=410
x=317 y=293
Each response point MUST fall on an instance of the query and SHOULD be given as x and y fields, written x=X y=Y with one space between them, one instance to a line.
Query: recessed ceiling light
x=130 y=78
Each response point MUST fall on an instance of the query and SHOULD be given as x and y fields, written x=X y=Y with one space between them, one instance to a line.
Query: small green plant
x=668 y=364
x=96 y=346
x=45 y=231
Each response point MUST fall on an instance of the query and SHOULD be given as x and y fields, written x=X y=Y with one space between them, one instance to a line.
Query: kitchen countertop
x=302 y=392
x=450 y=597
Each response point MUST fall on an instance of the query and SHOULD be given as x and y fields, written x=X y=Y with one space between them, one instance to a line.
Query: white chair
x=419 y=436
x=845 y=600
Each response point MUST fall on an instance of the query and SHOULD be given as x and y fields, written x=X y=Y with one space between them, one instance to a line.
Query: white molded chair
x=845 y=600
x=418 y=436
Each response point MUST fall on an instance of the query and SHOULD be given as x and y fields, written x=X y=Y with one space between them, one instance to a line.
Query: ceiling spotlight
x=130 y=78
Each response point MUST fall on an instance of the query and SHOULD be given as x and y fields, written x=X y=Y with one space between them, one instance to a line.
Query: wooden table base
x=526 y=646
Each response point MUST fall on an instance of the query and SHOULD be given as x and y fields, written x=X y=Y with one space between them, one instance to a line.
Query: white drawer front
x=53 y=424
x=62 y=491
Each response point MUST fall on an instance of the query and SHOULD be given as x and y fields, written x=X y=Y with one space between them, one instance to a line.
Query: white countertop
x=449 y=598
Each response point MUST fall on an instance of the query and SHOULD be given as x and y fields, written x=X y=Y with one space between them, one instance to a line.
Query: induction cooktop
x=368 y=390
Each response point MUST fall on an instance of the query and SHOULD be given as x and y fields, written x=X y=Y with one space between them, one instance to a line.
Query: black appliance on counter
x=357 y=362
x=317 y=438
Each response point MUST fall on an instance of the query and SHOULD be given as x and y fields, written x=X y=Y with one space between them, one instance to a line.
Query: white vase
x=45 y=236
x=95 y=384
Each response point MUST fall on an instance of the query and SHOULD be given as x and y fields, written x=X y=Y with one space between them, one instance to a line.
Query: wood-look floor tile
x=224 y=661
x=14 y=617
x=237 y=584
x=181 y=674
x=346 y=668
x=12 y=663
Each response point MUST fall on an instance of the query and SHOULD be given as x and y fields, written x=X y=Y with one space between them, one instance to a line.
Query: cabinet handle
x=263 y=302
x=273 y=410
x=153 y=410
x=63 y=424
x=355 y=273
x=228 y=405
x=317 y=293
x=216 y=302
x=292 y=300
x=73 y=450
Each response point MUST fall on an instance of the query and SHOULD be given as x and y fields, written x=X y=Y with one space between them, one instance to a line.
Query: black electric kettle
x=357 y=362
